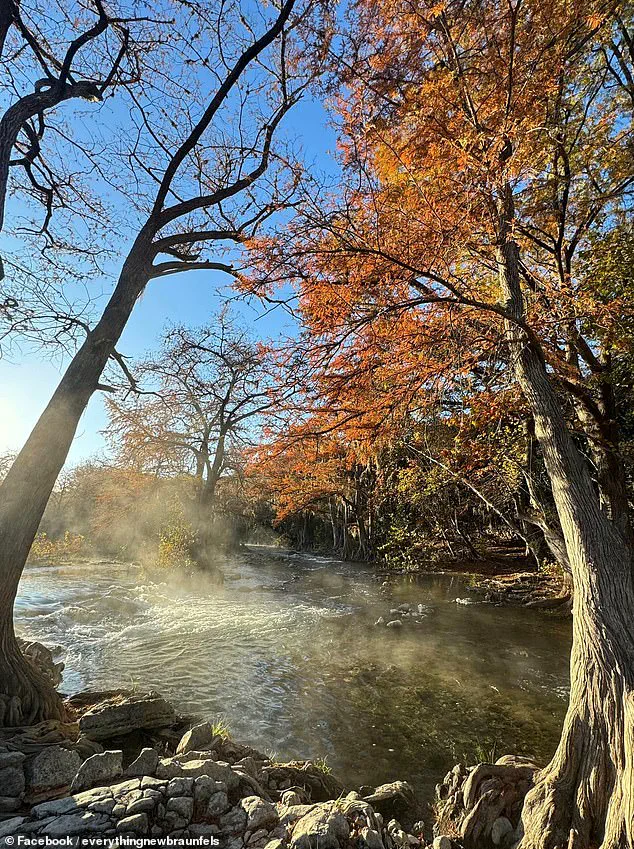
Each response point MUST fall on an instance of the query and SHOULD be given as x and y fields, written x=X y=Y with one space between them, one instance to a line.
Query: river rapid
x=288 y=654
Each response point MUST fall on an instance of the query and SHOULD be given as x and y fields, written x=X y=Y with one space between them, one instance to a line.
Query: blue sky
x=28 y=378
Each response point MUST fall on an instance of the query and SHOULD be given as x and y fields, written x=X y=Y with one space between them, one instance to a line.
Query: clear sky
x=27 y=379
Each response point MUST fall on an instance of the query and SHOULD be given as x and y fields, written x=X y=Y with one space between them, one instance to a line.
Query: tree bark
x=585 y=796
x=27 y=487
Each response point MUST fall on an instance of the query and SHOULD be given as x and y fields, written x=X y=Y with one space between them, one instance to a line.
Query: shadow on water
x=288 y=652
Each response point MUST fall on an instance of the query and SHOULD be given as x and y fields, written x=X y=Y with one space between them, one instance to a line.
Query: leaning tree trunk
x=27 y=696
x=585 y=796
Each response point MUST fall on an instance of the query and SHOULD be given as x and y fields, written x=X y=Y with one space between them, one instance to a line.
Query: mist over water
x=287 y=652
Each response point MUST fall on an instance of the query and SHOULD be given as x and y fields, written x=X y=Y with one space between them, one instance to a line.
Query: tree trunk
x=27 y=487
x=585 y=796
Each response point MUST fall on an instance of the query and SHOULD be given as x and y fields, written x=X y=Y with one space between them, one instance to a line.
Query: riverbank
x=127 y=765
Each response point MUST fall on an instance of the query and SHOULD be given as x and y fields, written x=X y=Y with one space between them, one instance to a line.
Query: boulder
x=233 y=822
x=182 y=805
x=395 y=800
x=118 y=716
x=12 y=780
x=53 y=767
x=98 y=769
x=395 y=623
x=137 y=824
x=71 y=825
x=500 y=830
x=260 y=814
x=144 y=764
x=442 y=842
x=325 y=827
x=8 y=827
x=217 y=805
x=219 y=771
x=200 y=738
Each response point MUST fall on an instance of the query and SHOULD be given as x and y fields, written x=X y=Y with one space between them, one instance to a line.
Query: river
x=288 y=654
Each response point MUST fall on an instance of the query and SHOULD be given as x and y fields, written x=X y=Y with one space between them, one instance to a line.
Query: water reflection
x=288 y=652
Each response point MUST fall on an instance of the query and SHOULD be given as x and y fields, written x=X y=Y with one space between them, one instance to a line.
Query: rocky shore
x=126 y=765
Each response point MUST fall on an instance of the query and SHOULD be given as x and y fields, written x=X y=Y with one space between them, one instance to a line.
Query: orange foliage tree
x=487 y=155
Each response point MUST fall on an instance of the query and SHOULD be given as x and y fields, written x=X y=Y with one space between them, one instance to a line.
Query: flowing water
x=288 y=653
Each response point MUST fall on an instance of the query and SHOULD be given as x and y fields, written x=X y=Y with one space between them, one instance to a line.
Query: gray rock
x=140 y=806
x=9 y=803
x=11 y=759
x=370 y=839
x=52 y=767
x=125 y=786
x=206 y=787
x=260 y=814
x=147 y=782
x=291 y=797
x=144 y=764
x=182 y=805
x=394 y=800
x=98 y=769
x=293 y=813
x=198 y=739
x=395 y=623
x=12 y=781
x=9 y=827
x=94 y=794
x=500 y=829
x=138 y=824
x=322 y=828
x=248 y=765
x=218 y=770
x=233 y=822
x=102 y=806
x=136 y=712
x=203 y=829
x=218 y=804
x=55 y=807
x=70 y=825
x=179 y=787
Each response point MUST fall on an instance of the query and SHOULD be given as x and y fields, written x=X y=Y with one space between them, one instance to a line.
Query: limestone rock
x=12 y=781
x=98 y=769
x=260 y=814
x=114 y=718
x=394 y=800
x=144 y=764
x=198 y=739
x=182 y=805
x=219 y=771
x=53 y=767
x=138 y=824
x=218 y=804
x=71 y=825
x=370 y=839
x=233 y=822
x=322 y=828
x=500 y=829
x=11 y=759
x=8 y=827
